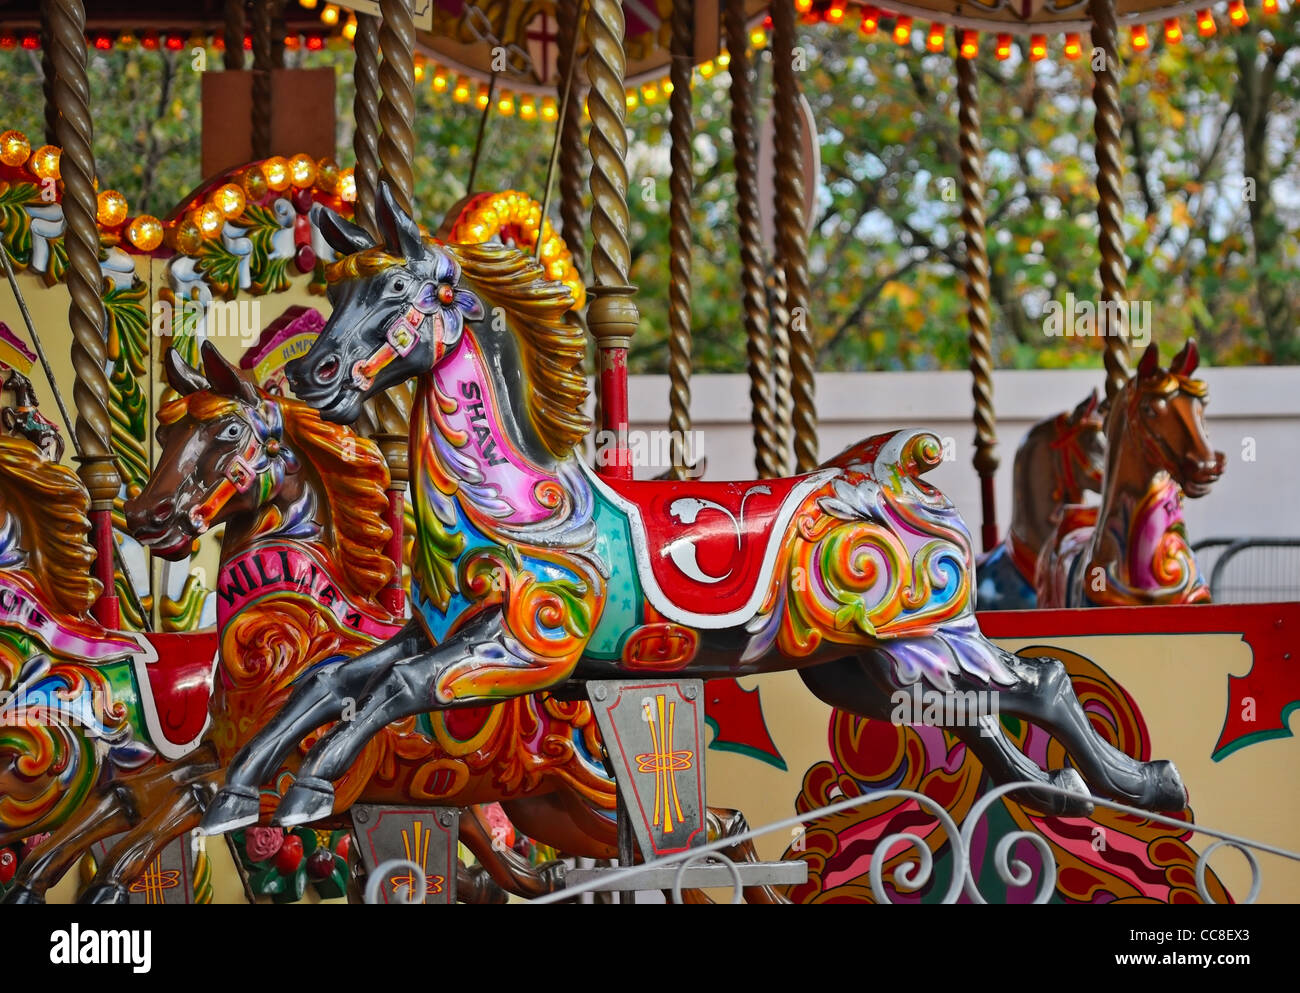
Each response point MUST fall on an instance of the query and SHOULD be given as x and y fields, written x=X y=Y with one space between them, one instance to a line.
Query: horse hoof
x=1077 y=805
x=1166 y=791
x=308 y=799
x=232 y=808
x=23 y=895
x=105 y=893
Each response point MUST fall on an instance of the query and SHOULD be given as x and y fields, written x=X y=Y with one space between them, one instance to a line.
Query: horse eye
x=230 y=432
x=398 y=286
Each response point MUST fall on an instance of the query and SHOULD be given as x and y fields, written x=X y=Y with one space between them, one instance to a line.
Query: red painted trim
x=1232 y=618
x=107 y=609
x=613 y=407
x=392 y=596
x=989 y=509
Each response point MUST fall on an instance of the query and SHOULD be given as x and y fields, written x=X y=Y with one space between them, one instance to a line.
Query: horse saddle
x=175 y=688
x=705 y=552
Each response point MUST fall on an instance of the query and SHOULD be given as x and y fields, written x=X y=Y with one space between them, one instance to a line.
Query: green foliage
x=1203 y=122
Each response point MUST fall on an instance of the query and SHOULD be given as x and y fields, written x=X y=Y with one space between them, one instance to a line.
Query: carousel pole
x=977 y=295
x=264 y=49
x=233 y=34
x=47 y=75
x=365 y=113
x=682 y=185
x=612 y=314
x=396 y=150
x=791 y=236
x=568 y=16
x=1107 y=125
x=93 y=430
x=767 y=457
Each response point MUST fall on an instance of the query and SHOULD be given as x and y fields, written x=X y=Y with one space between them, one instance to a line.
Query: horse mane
x=53 y=508
x=553 y=343
x=353 y=481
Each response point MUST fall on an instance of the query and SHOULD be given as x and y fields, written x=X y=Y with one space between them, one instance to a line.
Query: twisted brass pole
x=365 y=112
x=612 y=314
x=681 y=132
x=47 y=75
x=397 y=103
x=570 y=163
x=977 y=294
x=767 y=459
x=263 y=61
x=233 y=34
x=1107 y=124
x=75 y=132
x=791 y=237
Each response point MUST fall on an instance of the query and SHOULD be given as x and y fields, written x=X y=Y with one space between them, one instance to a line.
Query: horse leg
x=507 y=868
x=318 y=699
x=409 y=686
x=178 y=813
x=864 y=685
x=1043 y=694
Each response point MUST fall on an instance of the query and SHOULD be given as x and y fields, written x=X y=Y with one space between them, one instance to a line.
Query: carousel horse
x=302 y=503
x=1058 y=461
x=1133 y=549
x=24 y=419
x=531 y=572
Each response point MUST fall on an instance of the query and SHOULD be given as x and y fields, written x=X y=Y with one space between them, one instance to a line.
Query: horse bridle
x=403 y=333
x=242 y=469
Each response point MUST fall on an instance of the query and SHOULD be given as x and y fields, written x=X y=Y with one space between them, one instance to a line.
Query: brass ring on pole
x=365 y=113
x=980 y=336
x=681 y=131
x=791 y=236
x=767 y=459
x=1107 y=124
x=397 y=102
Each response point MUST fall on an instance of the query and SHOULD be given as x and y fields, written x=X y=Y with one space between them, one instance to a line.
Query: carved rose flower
x=262 y=842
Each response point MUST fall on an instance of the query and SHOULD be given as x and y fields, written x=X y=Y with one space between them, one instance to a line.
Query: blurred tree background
x=1212 y=188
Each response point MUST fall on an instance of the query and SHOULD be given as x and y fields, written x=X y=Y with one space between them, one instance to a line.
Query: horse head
x=223 y=454
x=1166 y=412
x=398 y=308
x=1079 y=445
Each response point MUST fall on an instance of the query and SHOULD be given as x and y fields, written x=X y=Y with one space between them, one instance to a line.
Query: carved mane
x=52 y=508
x=353 y=482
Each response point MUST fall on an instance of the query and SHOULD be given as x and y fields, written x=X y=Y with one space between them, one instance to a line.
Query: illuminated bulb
x=174 y=43
x=1237 y=13
x=758 y=38
x=145 y=232
x=707 y=69
x=724 y=59
x=208 y=219
x=870 y=21
x=650 y=93
x=903 y=29
x=327 y=175
x=188 y=238
x=1073 y=46
x=1173 y=31
x=631 y=99
x=528 y=108
x=1140 y=40
x=348 y=186
x=666 y=85
x=307 y=4
x=481 y=97
x=31 y=42
x=1268 y=7
x=125 y=40
x=461 y=93
x=329 y=15
x=549 y=110
x=934 y=38
x=276 y=171
x=970 y=44
x=350 y=28
x=1205 y=25
x=111 y=209
x=835 y=14
x=1037 y=48
x=439 y=82
x=230 y=200
x=1003 y=49
x=302 y=171
x=315 y=43
x=45 y=162
x=14 y=148
x=803 y=6
x=506 y=105
x=419 y=72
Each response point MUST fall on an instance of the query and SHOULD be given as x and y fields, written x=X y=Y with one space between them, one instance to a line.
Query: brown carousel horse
x=302 y=503
x=531 y=572
x=1058 y=461
x=1133 y=549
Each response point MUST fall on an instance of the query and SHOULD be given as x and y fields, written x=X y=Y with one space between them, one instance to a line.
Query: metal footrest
x=703 y=875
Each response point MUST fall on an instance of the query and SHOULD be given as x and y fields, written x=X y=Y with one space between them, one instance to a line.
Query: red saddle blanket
x=705 y=551
x=176 y=688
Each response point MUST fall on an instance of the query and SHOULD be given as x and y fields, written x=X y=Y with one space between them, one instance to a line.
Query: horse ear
x=1086 y=408
x=224 y=377
x=1186 y=361
x=341 y=234
x=401 y=234
x=1150 y=363
x=180 y=377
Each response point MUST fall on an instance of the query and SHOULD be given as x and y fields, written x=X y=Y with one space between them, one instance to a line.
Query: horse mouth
x=168 y=542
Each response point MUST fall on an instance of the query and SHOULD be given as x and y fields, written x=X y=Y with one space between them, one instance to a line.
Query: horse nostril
x=328 y=369
x=163 y=511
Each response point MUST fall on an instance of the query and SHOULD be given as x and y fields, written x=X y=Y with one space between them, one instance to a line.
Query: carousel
x=324 y=573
